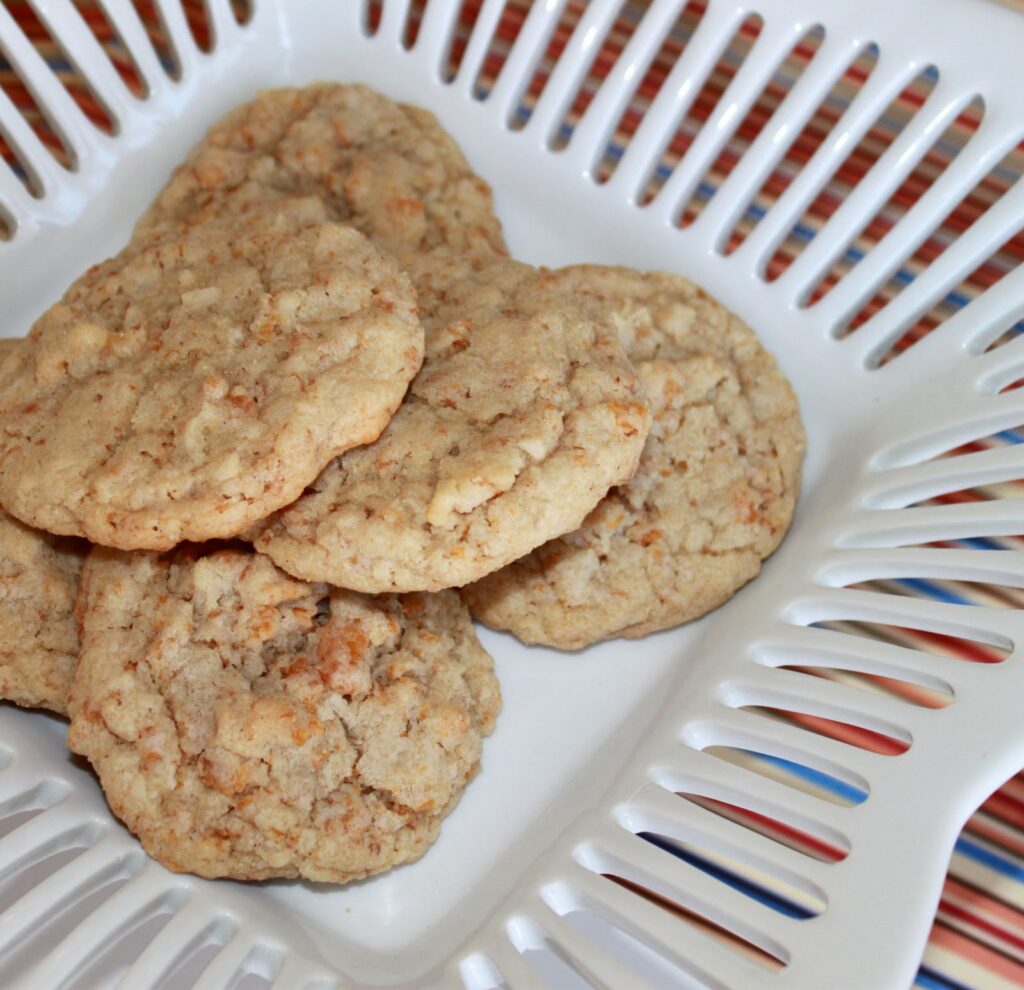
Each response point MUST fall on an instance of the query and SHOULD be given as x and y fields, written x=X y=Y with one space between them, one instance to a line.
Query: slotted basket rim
x=860 y=468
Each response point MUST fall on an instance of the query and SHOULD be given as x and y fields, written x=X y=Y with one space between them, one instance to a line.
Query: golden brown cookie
x=524 y=414
x=202 y=377
x=38 y=638
x=8 y=346
x=714 y=493
x=244 y=724
x=387 y=169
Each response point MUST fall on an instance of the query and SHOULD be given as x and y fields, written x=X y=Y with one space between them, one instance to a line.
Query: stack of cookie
x=246 y=461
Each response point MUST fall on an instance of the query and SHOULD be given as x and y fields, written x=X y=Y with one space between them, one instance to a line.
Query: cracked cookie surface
x=388 y=169
x=524 y=414
x=192 y=384
x=714 y=493
x=38 y=638
x=245 y=724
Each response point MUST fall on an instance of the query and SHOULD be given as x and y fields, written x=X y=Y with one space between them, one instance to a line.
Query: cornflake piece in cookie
x=714 y=493
x=244 y=724
x=38 y=638
x=524 y=414
x=200 y=379
x=387 y=169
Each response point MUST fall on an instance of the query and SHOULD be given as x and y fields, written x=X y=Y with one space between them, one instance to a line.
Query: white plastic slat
x=937 y=416
x=791 y=691
x=64 y=115
x=969 y=331
x=989 y=315
x=764 y=733
x=830 y=62
x=43 y=167
x=138 y=899
x=126 y=22
x=981 y=623
x=571 y=68
x=928 y=523
x=694 y=951
x=901 y=486
x=16 y=782
x=1003 y=365
x=295 y=974
x=997 y=135
x=15 y=199
x=986 y=147
x=768 y=52
x=181 y=936
x=515 y=970
x=597 y=966
x=223 y=26
x=478 y=971
x=62 y=887
x=881 y=88
x=928 y=428
x=655 y=809
x=172 y=17
x=976 y=245
x=226 y=964
x=942 y=563
x=438 y=24
x=597 y=125
x=51 y=830
x=684 y=82
x=393 y=19
x=67 y=27
x=711 y=776
x=871 y=193
x=526 y=53
x=807 y=646
x=658 y=870
x=479 y=43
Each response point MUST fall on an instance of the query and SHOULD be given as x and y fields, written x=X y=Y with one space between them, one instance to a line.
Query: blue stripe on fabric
x=980 y=543
x=59 y=64
x=744 y=886
x=987 y=857
x=933 y=591
x=931 y=980
x=823 y=780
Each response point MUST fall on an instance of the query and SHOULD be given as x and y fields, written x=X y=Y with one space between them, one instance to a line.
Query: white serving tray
x=592 y=748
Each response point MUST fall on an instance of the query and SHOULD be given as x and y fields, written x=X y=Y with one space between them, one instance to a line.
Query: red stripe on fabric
x=946 y=907
x=866 y=739
x=1009 y=809
x=977 y=901
x=796 y=838
x=981 y=955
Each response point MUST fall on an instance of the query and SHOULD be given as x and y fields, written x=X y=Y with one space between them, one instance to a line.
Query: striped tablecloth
x=977 y=940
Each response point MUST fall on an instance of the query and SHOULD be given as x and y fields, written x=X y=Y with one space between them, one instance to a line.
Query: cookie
x=714 y=493
x=38 y=638
x=244 y=724
x=10 y=348
x=524 y=414
x=201 y=378
x=387 y=169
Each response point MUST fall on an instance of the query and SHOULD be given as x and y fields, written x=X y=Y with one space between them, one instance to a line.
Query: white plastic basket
x=595 y=749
